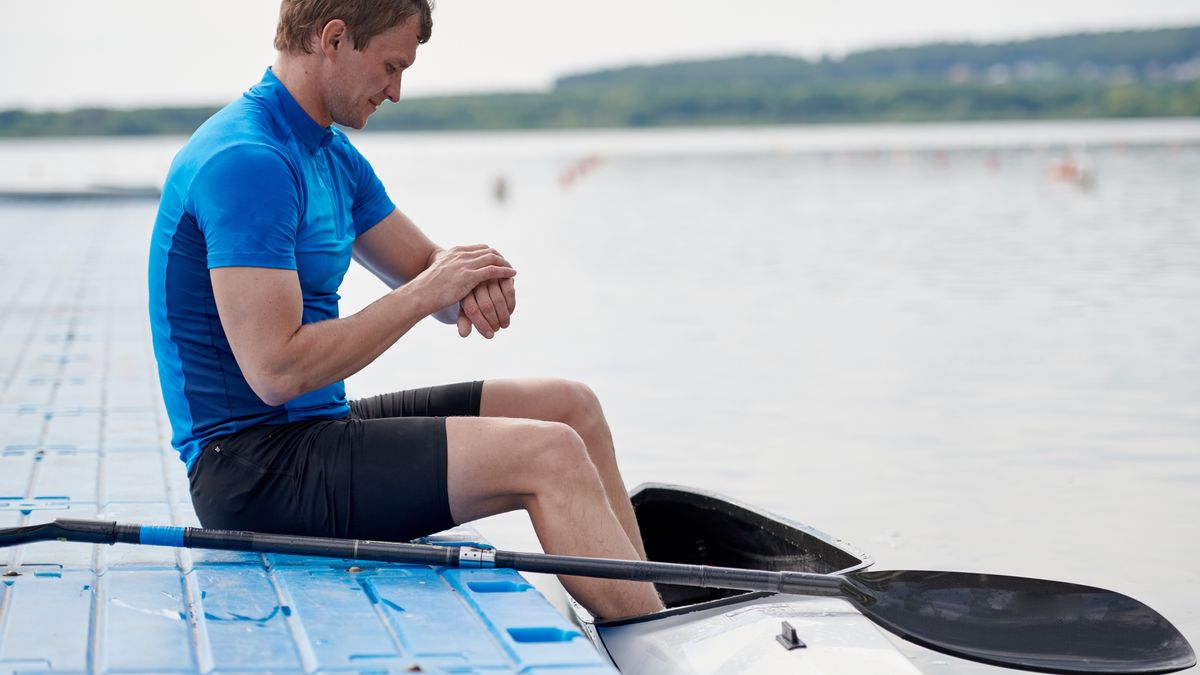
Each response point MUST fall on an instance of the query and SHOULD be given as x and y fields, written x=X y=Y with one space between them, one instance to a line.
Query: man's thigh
x=497 y=464
x=548 y=399
x=501 y=436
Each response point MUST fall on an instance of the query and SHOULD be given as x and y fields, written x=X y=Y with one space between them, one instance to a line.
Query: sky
x=129 y=53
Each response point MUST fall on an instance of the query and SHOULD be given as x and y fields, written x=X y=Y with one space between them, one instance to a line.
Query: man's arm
x=261 y=313
x=396 y=250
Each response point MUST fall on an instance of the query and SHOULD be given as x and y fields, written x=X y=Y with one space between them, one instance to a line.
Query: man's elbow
x=273 y=399
x=274 y=389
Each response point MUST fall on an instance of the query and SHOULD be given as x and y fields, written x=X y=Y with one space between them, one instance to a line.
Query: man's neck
x=300 y=76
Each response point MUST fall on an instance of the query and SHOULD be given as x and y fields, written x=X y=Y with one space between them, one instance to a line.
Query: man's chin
x=356 y=123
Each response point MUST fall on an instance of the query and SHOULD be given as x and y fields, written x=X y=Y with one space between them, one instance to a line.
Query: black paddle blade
x=1045 y=626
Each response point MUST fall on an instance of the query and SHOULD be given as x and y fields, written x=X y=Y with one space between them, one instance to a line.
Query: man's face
x=362 y=80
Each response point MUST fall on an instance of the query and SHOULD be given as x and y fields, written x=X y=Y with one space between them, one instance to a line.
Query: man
x=261 y=213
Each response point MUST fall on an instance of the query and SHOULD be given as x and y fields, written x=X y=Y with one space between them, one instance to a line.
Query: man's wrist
x=437 y=250
x=415 y=295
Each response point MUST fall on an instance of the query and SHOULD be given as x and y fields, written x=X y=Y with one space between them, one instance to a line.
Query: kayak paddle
x=1017 y=622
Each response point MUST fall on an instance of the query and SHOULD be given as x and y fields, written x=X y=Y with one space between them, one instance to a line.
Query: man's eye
x=391 y=70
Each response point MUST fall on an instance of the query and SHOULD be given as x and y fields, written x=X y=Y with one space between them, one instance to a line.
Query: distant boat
x=1069 y=169
x=89 y=193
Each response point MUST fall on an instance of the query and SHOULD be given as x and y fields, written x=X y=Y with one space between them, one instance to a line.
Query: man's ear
x=333 y=37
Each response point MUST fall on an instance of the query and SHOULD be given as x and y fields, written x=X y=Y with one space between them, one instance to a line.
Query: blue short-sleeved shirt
x=260 y=184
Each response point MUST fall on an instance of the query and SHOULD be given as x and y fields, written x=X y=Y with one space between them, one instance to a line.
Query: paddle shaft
x=102 y=532
x=703 y=576
x=1016 y=622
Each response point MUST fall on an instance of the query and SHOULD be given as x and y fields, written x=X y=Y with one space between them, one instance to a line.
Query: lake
x=928 y=340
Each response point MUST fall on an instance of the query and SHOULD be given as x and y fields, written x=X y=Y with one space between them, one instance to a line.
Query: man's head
x=355 y=51
x=301 y=21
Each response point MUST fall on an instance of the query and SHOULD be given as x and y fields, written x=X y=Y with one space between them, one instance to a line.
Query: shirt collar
x=305 y=128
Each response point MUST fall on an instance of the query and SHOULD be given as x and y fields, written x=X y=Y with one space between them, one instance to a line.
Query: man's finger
x=499 y=303
x=490 y=272
x=486 y=306
x=508 y=287
x=483 y=258
x=471 y=309
x=464 y=323
x=468 y=247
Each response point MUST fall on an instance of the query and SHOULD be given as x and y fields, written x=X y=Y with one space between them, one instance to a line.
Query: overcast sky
x=69 y=53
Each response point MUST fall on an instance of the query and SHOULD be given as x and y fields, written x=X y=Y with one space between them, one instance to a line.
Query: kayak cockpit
x=693 y=526
x=687 y=525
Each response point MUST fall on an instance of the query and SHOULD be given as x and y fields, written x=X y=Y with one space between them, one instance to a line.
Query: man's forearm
x=324 y=352
x=283 y=357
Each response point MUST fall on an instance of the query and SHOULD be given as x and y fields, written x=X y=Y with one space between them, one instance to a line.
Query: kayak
x=709 y=630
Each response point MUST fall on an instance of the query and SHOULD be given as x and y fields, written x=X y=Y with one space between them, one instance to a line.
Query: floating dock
x=83 y=434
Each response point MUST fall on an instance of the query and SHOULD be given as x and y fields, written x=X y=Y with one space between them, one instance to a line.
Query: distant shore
x=1113 y=75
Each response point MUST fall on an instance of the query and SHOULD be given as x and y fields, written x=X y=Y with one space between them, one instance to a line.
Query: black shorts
x=378 y=474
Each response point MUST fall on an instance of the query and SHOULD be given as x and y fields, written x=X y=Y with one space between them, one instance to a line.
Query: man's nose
x=393 y=91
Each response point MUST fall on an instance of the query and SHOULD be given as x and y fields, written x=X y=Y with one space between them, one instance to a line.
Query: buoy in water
x=500 y=189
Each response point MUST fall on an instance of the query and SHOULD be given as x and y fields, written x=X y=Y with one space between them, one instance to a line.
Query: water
x=907 y=336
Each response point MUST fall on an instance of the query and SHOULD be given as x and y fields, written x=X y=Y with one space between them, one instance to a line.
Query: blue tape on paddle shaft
x=161 y=535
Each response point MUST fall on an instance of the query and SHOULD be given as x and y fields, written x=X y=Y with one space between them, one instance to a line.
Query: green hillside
x=1151 y=73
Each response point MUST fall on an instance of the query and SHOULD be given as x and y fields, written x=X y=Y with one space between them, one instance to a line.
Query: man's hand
x=462 y=275
x=488 y=307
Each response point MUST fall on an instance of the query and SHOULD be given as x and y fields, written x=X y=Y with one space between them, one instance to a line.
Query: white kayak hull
x=742 y=638
x=716 y=631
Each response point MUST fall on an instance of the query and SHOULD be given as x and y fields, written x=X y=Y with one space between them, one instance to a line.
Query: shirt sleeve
x=246 y=201
x=371 y=201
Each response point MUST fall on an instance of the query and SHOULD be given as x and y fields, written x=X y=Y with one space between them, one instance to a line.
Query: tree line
x=1151 y=73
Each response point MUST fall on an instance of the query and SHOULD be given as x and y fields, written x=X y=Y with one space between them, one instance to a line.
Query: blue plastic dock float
x=83 y=435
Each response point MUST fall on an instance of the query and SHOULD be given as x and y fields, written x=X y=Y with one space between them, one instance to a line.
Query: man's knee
x=585 y=399
x=587 y=418
x=578 y=404
x=559 y=461
x=559 y=449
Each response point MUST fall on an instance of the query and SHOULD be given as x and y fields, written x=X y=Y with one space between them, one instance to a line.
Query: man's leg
x=573 y=404
x=495 y=465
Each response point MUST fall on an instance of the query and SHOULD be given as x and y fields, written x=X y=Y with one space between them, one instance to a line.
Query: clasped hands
x=482 y=282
